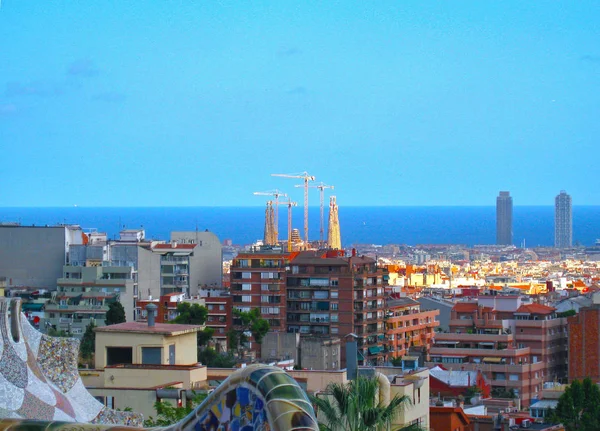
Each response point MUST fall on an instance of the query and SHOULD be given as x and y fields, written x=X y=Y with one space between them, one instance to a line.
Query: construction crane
x=322 y=186
x=276 y=194
x=289 y=204
x=306 y=177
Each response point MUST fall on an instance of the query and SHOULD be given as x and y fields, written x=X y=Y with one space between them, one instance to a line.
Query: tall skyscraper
x=563 y=221
x=504 y=213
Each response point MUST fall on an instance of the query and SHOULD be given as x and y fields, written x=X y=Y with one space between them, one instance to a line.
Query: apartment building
x=33 y=256
x=516 y=345
x=407 y=326
x=330 y=294
x=83 y=295
x=258 y=281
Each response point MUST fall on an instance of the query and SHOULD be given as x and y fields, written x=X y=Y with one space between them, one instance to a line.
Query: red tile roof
x=465 y=307
x=535 y=309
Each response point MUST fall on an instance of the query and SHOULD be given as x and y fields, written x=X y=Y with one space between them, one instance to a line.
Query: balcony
x=475 y=338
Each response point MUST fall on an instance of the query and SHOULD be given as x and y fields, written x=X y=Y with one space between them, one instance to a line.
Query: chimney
x=353 y=252
x=351 y=356
x=151 y=308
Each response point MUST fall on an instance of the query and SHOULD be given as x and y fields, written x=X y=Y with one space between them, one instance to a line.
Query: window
x=221 y=307
x=334 y=317
x=334 y=330
x=334 y=282
x=246 y=275
x=119 y=355
x=513 y=377
x=152 y=355
x=246 y=298
x=246 y=286
x=334 y=306
x=334 y=294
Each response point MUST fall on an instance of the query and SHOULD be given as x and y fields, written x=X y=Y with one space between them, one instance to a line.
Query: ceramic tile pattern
x=39 y=377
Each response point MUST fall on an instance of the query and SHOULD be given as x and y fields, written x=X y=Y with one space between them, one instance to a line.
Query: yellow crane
x=306 y=177
x=289 y=204
x=321 y=187
x=276 y=194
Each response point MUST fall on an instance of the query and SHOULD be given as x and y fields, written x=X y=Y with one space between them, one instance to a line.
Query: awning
x=374 y=350
x=492 y=360
x=32 y=307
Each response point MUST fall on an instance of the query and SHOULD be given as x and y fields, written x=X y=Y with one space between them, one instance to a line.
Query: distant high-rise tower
x=563 y=221
x=269 y=238
x=334 y=239
x=504 y=216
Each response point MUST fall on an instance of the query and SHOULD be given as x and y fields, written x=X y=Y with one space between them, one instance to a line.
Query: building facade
x=517 y=346
x=584 y=343
x=504 y=219
x=34 y=256
x=407 y=326
x=84 y=294
x=258 y=281
x=563 y=221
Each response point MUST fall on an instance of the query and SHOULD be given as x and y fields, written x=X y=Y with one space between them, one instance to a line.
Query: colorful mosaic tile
x=35 y=408
x=39 y=377
x=58 y=360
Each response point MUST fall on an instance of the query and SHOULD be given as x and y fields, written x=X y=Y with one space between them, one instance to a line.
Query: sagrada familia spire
x=269 y=238
x=334 y=239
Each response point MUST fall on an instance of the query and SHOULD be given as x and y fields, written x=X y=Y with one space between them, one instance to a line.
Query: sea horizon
x=401 y=224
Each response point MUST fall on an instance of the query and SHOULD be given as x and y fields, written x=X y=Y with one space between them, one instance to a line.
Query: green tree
x=247 y=322
x=211 y=358
x=115 y=314
x=355 y=406
x=579 y=407
x=167 y=414
x=205 y=336
x=88 y=342
x=190 y=314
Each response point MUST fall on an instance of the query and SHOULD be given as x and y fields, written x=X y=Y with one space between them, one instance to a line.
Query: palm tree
x=355 y=406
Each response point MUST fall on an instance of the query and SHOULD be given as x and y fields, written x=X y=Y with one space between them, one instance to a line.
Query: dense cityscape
x=299 y=216
x=488 y=335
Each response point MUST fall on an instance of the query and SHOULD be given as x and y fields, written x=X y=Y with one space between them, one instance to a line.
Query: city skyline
x=197 y=104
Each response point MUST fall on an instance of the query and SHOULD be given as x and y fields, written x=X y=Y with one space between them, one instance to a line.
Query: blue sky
x=160 y=103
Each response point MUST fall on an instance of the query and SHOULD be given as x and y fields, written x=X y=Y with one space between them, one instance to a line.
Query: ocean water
x=372 y=225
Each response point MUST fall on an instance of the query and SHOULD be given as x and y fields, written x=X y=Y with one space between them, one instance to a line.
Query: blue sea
x=371 y=225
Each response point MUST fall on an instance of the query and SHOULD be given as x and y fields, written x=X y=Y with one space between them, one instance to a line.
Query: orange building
x=407 y=326
x=448 y=419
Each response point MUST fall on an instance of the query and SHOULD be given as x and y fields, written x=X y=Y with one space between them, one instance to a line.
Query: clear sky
x=160 y=103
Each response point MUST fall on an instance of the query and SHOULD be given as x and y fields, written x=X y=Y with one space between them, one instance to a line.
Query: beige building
x=137 y=364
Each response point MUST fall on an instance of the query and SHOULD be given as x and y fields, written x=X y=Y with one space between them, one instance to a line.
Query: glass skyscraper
x=504 y=215
x=563 y=221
